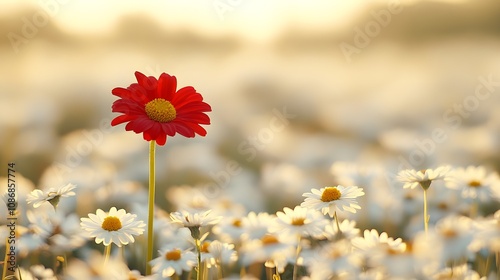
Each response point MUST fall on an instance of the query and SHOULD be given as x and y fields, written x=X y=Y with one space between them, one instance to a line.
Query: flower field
x=363 y=145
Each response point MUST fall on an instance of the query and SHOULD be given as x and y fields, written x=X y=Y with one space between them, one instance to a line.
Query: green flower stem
x=426 y=217
x=337 y=222
x=297 y=254
x=151 y=204
x=107 y=252
x=6 y=258
x=198 y=249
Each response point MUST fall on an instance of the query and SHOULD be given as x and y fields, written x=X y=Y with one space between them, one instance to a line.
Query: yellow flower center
x=237 y=223
x=111 y=223
x=204 y=247
x=160 y=110
x=474 y=184
x=173 y=255
x=298 y=221
x=330 y=194
x=269 y=240
x=449 y=233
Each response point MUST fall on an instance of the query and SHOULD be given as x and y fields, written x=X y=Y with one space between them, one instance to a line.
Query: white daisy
x=61 y=232
x=40 y=272
x=460 y=272
x=335 y=261
x=488 y=233
x=255 y=226
x=348 y=230
x=299 y=221
x=475 y=183
x=116 y=226
x=173 y=261
x=450 y=240
x=229 y=229
x=217 y=253
x=37 y=197
x=268 y=248
x=412 y=178
x=372 y=243
x=90 y=266
x=330 y=199
x=194 y=221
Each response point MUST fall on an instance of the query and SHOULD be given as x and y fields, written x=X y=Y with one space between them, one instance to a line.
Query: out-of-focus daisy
x=116 y=226
x=270 y=247
x=348 y=230
x=299 y=221
x=188 y=198
x=391 y=256
x=40 y=272
x=372 y=242
x=475 y=183
x=455 y=234
x=255 y=226
x=460 y=272
x=229 y=229
x=90 y=266
x=335 y=261
x=173 y=261
x=52 y=195
x=450 y=240
x=412 y=178
x=330 y=199
x=218 y=253
x=61 y=233
x=351 y=173
x=170 y=235
x=488 y=234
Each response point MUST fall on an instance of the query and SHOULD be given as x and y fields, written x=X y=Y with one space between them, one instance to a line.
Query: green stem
x=473 y=209
x=426 y=217
x=107 y=252
x=151 y=204
x=198 y=249
x=4 y=272
x=297 y=254
x=337 y=222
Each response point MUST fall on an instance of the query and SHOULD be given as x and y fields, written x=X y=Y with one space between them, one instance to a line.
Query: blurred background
x=295 y=87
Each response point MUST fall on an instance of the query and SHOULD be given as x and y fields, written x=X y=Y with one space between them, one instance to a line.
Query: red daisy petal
x=121 y=119
x=166 y=86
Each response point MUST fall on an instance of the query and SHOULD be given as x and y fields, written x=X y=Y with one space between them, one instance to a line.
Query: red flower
x=156 y=109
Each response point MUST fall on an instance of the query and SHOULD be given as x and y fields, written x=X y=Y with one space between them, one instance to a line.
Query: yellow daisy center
x=237 y=223
x=298 y=221
x=160 y=110
x=111 y=223
x=204 y=247
x=173 y=255
x=330 y=194
x=474 y=184
x=269 y=240
x=449 y=233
